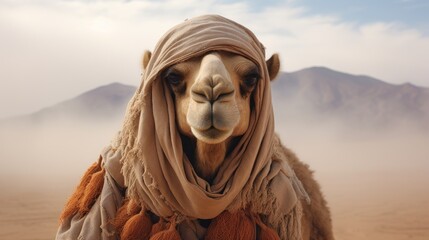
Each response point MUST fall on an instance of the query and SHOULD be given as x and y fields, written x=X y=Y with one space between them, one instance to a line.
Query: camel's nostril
x=224 y=97
x=199 y=97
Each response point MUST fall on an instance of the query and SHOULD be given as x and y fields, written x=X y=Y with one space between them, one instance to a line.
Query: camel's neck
x=208 y=158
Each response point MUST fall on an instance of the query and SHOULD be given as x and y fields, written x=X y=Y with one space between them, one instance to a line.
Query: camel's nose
x=213 y=82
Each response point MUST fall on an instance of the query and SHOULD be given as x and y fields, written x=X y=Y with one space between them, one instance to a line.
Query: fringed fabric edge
x=86 y=193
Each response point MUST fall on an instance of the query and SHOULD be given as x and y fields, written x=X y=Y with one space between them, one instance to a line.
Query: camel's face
x=213 y=103
x=212 y=95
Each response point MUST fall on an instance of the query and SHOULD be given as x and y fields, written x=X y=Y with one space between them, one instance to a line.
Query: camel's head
x=213 y=102
x=212 y=94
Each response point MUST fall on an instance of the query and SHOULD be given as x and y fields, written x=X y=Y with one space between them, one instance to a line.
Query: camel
x=197 y=157
x=213 y=103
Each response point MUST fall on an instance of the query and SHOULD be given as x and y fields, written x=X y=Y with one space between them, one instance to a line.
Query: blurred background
x=352 y=100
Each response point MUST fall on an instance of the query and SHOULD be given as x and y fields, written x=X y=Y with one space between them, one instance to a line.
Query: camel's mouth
x=211 y=135
x=213 y=123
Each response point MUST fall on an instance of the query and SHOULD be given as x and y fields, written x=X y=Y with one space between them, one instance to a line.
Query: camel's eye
x=173 y=77
x=251 y=78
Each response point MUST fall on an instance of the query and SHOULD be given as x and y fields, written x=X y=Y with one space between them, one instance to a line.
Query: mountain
x=106 y=102
x=310 y=95
x=322 y=93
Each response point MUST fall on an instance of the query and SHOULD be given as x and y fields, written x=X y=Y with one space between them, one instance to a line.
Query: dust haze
x=370 y=178
x=53 y=154
x=374 y=178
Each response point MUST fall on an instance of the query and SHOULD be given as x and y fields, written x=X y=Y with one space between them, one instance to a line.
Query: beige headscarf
x=157 y=172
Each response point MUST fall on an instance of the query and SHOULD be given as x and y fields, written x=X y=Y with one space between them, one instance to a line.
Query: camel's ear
x=273 y=65
x=146 y=57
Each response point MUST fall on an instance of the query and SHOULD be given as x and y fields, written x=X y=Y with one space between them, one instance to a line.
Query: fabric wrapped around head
x=157 y=172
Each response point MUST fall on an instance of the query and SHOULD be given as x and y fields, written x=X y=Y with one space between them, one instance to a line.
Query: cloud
x=53 y=50
x=384 y=50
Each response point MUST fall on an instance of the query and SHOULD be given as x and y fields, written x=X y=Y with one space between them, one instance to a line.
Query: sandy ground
x=398 y=211
x=29 y=215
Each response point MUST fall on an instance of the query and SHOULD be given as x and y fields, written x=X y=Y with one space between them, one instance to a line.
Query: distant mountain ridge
x=358 y=99
x=106 y=102
x=310 y=94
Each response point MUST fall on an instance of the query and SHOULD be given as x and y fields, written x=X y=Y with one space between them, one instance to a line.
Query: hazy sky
x=54 y=50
